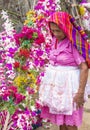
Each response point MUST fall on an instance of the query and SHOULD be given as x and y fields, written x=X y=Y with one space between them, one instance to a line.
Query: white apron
x=58 y=87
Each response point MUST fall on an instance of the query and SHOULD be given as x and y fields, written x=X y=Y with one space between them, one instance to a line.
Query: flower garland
x=7 y=50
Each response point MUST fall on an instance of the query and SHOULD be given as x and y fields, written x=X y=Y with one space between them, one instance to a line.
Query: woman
x=62 y=91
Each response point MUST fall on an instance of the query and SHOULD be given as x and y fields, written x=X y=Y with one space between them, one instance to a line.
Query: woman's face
x=55 y=30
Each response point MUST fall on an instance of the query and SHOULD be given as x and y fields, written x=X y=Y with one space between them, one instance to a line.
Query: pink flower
x=6 y=95
x=19 y=98
x=16 y=36
x=13 y=89
x=40 y=39
x=29 y=36
x=30 y=90
x=37 y=104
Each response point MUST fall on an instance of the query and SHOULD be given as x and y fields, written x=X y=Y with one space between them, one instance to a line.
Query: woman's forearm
x=83 y=77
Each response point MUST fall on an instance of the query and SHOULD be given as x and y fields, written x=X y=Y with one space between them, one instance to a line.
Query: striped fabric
x=74 y=32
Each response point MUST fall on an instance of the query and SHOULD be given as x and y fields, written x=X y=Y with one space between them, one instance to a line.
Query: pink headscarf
x=73 y=31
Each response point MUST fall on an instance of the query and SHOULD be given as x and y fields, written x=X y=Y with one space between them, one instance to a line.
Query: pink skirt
x=59 y=119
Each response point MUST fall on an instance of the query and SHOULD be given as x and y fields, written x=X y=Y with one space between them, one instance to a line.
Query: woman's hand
x=79 y=97
x=79 y=100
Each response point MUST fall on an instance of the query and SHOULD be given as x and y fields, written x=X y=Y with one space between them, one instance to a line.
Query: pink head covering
x=73 y=31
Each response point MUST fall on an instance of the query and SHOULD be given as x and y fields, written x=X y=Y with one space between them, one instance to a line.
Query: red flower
x=24 y=67
x=24 y=52
x=16 y=64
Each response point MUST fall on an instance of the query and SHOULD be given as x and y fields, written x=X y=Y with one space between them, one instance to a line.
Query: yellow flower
x=34 y=19
x=31 y=77
x=82 y=10
x=40 y=17
x=20 y=80
x=26 y=22
x=31 y=17
x=31 y=12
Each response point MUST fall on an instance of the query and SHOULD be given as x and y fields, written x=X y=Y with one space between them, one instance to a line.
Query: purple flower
x=39 y=52
x=42 y=62
x=42 y=73
x=3 y=38
x=39 y=6
x=83 y=1
x=27 y=111
x=9 y=66
x=33 y=113
x=36 y=62
x=12 y=50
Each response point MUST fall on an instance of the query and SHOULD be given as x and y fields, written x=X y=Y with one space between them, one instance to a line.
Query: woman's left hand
x=79 y=97
x=79 y=100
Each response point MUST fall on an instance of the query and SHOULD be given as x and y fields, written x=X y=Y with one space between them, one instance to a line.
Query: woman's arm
x=79 y=97
x=83 y=77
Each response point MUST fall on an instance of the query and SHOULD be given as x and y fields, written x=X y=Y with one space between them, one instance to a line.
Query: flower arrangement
x=18 y=109
x=30 y=41
x=29 y=59
x=37 y=18
x=23 y=56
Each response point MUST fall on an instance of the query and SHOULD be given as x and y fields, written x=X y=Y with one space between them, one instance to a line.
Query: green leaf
x=35 y=35
x=4 y=105
x=31 y=40
x=11 y=109
x=32 y=102
x=25 y=43
x=30 y=23
x=21 y=106
x=11 y=100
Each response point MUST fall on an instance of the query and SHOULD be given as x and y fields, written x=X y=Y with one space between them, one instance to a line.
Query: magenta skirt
x=72 y=120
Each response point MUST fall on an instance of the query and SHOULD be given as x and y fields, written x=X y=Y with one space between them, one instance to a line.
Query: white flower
x=4 y=14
